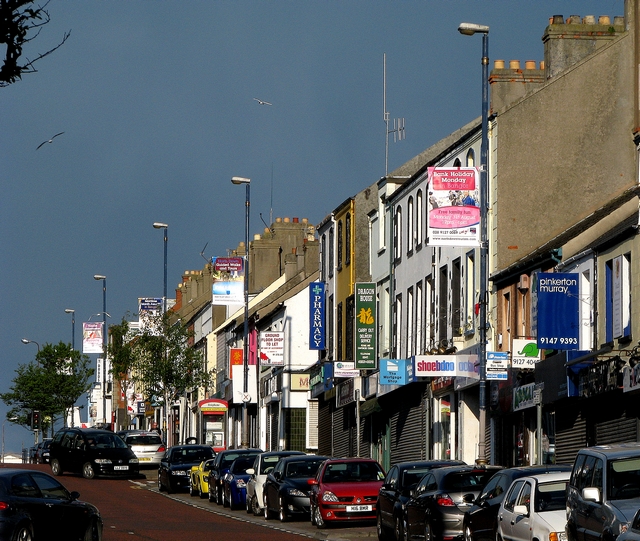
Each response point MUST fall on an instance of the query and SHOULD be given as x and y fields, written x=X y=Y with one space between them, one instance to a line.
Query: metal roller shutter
x=407 y=425
x=325 y=419
x=571 y=434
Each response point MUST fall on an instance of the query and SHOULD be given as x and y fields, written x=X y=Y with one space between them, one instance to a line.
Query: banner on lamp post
x=92 y=341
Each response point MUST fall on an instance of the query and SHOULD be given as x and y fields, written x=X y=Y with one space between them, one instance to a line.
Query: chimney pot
x=498 y=64
x=573 y=19
x=530 y=64
x=286 y=220
x=296 y=220
x=557 y=19
x=514 y=64
x=604 y=19
x=542 y=65
x=618 y=20
x=589 y=19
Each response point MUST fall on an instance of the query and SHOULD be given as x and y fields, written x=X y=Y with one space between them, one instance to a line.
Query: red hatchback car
x=345 y=489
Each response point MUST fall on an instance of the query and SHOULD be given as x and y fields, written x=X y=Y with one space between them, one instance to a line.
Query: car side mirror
x=74 y=495
x=521 y=510
x=591 y=494
x=469 y=498
x=277 y=475
x=251 y=471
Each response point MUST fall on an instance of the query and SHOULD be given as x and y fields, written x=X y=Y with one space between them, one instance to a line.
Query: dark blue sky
x=156 y=102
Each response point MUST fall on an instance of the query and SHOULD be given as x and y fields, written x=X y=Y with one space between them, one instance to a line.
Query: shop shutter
x=407 y=425
x=617 y=431
x=341 y=431
x=571 y=433
x=325 y=414
x=312 y=424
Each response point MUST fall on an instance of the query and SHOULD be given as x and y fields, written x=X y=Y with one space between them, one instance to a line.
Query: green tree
x=51 y=384
x=160 y=359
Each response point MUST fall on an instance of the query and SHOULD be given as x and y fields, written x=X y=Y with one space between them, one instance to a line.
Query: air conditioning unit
x=523 y=283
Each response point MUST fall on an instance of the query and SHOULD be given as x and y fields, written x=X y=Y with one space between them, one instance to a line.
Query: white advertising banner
x=272 y=348
x=92 y=337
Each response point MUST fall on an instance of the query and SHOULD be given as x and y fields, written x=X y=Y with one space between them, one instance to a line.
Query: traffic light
x=35 y=420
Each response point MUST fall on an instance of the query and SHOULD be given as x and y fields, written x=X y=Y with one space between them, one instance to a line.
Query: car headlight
x=133 y=461
x=102 y=461
x=295 y=492
x=558 y=536
x=178 y=472
x=329 y=497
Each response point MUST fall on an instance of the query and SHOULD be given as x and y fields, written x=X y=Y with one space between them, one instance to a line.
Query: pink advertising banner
x=453 y=206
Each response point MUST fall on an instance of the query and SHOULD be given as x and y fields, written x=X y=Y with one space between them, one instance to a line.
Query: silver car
x=534 y=508
x=147 y=446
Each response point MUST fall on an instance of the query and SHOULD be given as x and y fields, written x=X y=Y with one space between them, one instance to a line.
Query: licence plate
x=121 y=467
x=358 y=508
x=144 y=459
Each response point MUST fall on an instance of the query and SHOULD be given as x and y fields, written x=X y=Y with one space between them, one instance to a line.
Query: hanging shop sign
x=446 y=366
x=345 y=369
x=272 y=348
x=317 y=292
x=558 y=310
x=396 y=371
x=497 y=365
x=366 y=329
x=524 y=353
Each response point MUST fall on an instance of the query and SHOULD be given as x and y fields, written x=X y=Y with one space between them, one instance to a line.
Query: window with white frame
x=397 y=234
x=419 y=218
x=419 y=310
x=410 y=322
x=618 y=297
x=471 y=158
x=469 y=293
x=410 y=226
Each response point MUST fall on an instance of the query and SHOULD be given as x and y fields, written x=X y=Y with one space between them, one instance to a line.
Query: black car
x=286 y=490
x=91 y=452
x=481 y=519
x=220 y=467
x=439 y=501
x=396 y=491
x=42 y=452
x=34 y=505
x=175 y=466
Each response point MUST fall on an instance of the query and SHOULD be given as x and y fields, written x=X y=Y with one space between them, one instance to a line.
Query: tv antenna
x=398 y=123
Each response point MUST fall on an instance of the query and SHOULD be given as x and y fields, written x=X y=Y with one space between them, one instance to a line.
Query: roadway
x=133 y=509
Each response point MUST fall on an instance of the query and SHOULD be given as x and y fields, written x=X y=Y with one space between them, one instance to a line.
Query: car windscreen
x=340 y=472
x=551 y=496
x=192 y=455
x=241 y=464
x=106 y=441
x=466 y=480
x=302 y=469
x=623 y=479
x=268 y=463
x=412 y=477
x=228 y=459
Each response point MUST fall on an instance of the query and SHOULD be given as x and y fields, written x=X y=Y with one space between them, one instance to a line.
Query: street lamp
x=73 y=326
x=25 y=341
x=104 y=343
x=160 y=225
x=469 y=29
x=245 y=357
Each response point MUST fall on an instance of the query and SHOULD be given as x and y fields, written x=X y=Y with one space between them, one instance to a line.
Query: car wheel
x=22 y=533
x=160 y=485
x=202 y=494
x=283 y=511
x=192 y=490
x=247 y=503
x=211 y=494
x=93 y=532
x=87 y=471
x=428 y=531
x=268 y=514
x=399 y=528
x=467 y=533
x=218 y=495
x=320 y=522
x=55 y=467
x=255 y=506
x=169 y=487
x=380 y=529
x=226 y=502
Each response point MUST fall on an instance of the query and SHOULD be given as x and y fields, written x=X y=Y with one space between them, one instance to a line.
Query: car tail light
x=161 y=449
x=3 y=506
x=444 y=500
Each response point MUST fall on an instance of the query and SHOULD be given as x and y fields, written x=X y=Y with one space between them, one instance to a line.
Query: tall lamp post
x=73 y=326
x=245 y=357
x=26 y=341
x=104 y=343
x=160 y=225
x=469 y=29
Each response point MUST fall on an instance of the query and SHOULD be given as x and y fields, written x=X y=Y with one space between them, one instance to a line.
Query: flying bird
x=262 y=102
x=50 y=140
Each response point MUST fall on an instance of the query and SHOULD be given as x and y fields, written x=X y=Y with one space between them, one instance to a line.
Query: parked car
x=480 y=522
x=199 y=478
x=262 y=465
x=345 y=489
x=147 y=446
x=91 y=452
x=286 y=488
x=235 y=482
x=223 y=460
x=34 y=505
x=176 y=464
x=534 y=509
x=439 y=501
x=633 y=531
x=42 y=451
x=604 y=492
x=396 y=491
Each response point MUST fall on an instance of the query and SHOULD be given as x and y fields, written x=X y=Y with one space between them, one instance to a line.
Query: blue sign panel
x=396 y=371
x=316 y=315
x=558 y=310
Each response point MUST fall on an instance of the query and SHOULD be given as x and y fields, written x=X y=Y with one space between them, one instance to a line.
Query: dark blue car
x=235 y=482
x=220 y=467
